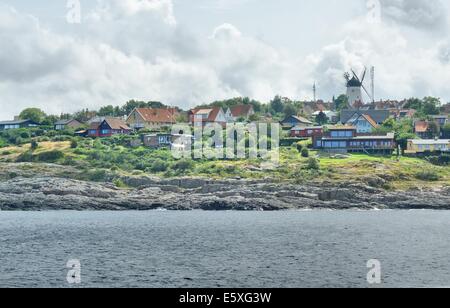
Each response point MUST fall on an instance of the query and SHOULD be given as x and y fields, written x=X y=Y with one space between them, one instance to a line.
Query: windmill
x=354 y=86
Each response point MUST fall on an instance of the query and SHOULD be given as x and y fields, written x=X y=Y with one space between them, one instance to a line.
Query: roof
x=299 y=119
x=211 y=113
x=429 y=141
x=65 y=122
x=157 y=115
x=342 y=128
x=379 y=116
x=421 y=126
x=307 y=128
x=16 y=122
x=354 y=83
x=367 y=117
x=241 y=110
x=116 y=123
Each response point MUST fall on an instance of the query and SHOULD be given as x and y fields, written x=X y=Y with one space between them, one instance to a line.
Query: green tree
x=341 y=102
x=276 y=105
x=321 y=118
x=289 y=110
x=106 y=111
x=434 y=129
x=446 y=131
x=33 y=114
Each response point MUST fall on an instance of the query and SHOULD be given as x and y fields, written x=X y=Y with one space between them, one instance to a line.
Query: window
x=92 y=132
x=105 y=131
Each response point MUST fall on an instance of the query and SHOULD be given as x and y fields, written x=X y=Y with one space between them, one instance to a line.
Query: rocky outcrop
x=147 y=193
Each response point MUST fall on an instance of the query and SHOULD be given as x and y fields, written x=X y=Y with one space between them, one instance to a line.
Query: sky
x=190 y=52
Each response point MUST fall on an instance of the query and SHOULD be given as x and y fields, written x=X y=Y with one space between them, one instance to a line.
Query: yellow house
x=152 y=118
x=428 y=145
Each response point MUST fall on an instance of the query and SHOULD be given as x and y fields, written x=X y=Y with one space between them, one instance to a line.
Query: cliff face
x=31 y=191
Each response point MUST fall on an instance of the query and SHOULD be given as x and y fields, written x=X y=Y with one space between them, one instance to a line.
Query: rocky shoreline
x=45 y=192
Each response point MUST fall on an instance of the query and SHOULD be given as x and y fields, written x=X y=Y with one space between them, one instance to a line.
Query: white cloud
x=136 y=50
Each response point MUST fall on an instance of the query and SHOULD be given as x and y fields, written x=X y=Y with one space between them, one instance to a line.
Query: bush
x=74 y=144
x=159 y=166
x=313 y=164
x=50 y=156
x=25 y=157
x=5 y=153
x=183 y=165
x=97 y=175
x=305 y=152
x=299 y=147
x=428 y=175
x=34 y=145
x=441 y=160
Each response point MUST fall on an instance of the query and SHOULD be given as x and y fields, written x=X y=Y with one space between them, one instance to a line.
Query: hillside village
x=317 y=137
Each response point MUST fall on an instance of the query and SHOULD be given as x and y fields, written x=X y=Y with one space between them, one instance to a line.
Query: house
x=363 y=122
x=166 y=140
x=67 y=124
x=296 y=121
x=417 y=146
x=152 y=118
x=402 y=113
x=306 y=132
x=240 y=112
x=5 y=125
x=441 y=119
x=345 y=139
x=201 y=117
x=108 y=128
x=378 y=116
x=421 y=129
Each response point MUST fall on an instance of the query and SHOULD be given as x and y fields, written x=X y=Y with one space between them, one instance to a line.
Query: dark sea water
x=225 y=249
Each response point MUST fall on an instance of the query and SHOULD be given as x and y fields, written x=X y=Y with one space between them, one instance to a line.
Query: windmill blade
x=364 y=75
x=356 y=76
x=367 y=92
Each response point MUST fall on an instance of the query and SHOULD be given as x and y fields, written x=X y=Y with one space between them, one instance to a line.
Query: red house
x=108 y=128
x=306 y=132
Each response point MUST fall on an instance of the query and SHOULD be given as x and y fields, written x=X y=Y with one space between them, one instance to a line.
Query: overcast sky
x=187 y=52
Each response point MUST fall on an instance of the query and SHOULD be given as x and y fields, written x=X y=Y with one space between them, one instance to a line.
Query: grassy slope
x=400 y=174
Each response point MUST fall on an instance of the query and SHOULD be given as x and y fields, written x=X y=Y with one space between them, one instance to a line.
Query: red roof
x=241 y=110
x=212 y=113
x=154 y=115
x=421 y=126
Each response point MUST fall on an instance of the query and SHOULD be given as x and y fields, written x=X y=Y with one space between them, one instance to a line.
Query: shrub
x=183 y=165
x=313 y=164
x=25 y=157
x=159 y=166
x=428 y=175
x=97 y=175
x=50 y=156
x=74 y=144
x=299 y=147
x=34 y=145
x=4 y=153
x=305 y=152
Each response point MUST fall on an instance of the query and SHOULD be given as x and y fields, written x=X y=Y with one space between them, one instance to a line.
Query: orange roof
x=212 y=113
x=241 y=110
x=160 y=115
x=116 y=123
x=421 y=127
x=370 y=120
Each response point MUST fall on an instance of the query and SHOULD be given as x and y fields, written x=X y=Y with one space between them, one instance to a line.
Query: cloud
x=136 y=50
x=421 y=14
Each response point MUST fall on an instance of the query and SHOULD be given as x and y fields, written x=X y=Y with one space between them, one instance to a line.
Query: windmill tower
x=355 y=86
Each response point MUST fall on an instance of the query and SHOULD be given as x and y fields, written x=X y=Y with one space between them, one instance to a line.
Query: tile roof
x=158 y=115
x=116 y=123
x=241 y=110
x=421 y=126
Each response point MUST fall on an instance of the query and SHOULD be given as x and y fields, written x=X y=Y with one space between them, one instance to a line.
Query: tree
x=33 y=114
x=321 y=118
x=289 y=110
x=402 y=140
x=431 y=105
x=106 y=111
x=276 y=105
x=434 y=129
x=341 y=102
x=446 y=131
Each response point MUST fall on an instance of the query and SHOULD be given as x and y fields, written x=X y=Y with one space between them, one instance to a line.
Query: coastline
x=40 y=192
